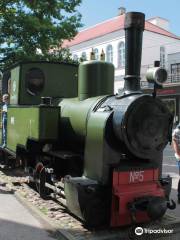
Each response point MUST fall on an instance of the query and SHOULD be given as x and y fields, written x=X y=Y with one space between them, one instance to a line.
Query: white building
x=158 y=43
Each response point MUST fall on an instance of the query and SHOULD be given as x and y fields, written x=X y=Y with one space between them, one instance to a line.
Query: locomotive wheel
x=40 y=179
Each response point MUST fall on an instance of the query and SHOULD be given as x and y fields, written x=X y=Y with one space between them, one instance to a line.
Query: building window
x=175 y=72
x=162 y=57
x=75 y=57
x=109 y=53
x=96 y=53
x=83 y=56
x=121 y=54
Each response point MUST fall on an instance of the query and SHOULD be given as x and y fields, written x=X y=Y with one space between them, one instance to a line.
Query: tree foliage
x=31 y=26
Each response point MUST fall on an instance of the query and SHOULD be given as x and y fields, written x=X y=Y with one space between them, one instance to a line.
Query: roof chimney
x=122 y=10
x=160 y=22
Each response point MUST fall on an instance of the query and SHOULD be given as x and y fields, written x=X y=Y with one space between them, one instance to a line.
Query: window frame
x=84 y=56
x=175 y=72
x=162 y=56
x=121 y=54
x=109 y=53
x=96 y=53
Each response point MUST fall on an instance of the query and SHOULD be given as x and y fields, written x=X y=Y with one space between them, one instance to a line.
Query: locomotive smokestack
x=134 y=27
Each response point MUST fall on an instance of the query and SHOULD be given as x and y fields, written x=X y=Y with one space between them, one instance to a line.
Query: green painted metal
x=74 y=116
x=14 y=85
x=61 y=81
x=96 y=78
x=49 y=123
x=95 y=81
x=38 y=123
x=96 y=149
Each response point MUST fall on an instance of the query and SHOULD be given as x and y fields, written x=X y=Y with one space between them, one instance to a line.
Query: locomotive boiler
x=103 y=150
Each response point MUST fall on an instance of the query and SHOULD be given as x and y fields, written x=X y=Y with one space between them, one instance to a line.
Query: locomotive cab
x=29 y=118
x=29 y=81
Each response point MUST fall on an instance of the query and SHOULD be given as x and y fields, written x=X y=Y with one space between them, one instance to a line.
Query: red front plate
x=130 y=185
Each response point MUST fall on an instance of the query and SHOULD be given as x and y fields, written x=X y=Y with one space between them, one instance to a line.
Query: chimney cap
x=122 y=10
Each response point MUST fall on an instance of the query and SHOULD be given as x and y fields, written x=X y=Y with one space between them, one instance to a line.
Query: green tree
x=31 y=26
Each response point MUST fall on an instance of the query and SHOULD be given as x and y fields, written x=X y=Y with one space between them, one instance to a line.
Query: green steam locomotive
x=102 y=153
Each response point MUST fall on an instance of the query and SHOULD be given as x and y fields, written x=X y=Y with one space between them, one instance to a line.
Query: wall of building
x=100 y=43
x=152 y=43
x=150 y=50
x=173 y=58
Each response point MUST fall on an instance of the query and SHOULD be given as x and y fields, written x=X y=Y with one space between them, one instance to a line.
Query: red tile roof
x=110 y=26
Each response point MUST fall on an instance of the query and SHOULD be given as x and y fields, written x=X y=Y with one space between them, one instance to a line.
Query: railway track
x=67 y=225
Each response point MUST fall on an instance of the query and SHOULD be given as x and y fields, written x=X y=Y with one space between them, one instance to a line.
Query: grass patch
x=44 y=210
x=24 y=195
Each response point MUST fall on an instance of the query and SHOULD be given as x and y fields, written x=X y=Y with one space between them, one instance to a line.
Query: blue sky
x=96 y=11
